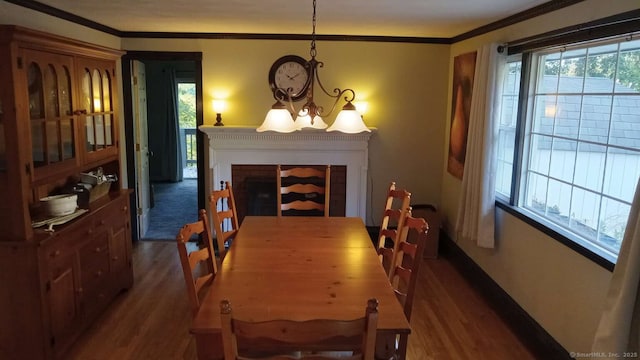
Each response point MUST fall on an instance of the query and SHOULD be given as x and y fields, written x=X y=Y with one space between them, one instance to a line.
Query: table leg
x=402 y=347
x=209 y=346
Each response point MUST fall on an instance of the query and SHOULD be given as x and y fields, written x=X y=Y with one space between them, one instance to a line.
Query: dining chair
x=316 y=339
x=224 y=217
x=404 y=275
x=395 y=210
x=299 y=192
x=198 y=265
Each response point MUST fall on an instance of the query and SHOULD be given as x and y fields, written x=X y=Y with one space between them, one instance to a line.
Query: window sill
x=557 y=234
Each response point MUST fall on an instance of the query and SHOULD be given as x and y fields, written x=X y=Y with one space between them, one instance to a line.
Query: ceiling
x=412 y=18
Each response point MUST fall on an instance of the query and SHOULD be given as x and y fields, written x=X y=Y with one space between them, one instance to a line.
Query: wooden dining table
x=298 y=268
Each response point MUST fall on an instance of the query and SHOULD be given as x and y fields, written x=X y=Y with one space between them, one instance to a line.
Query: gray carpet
x=175 y=204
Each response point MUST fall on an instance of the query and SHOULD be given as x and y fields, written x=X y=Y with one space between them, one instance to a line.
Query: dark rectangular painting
x=463 y=71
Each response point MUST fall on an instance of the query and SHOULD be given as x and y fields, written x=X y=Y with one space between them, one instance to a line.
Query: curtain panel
x=618 y=333
x=476 y=208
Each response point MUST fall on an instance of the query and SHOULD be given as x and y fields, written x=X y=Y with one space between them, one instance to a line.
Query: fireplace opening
x=261 y=194
x=254 y=189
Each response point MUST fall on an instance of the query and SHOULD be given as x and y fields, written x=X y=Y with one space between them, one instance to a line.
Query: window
x=569 y=140
x=187 y=121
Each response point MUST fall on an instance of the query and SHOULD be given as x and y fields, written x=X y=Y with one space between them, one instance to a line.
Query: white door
x=143 y=187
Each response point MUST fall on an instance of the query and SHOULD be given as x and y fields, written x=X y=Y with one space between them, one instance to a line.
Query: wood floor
x=151 y=321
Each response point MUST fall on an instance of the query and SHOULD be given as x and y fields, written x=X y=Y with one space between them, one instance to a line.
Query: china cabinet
x=58 y=119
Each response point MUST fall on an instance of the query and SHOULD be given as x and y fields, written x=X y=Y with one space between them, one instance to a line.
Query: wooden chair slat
x=200 y=261
x=224 y=217
x=302 y=186
x=392 y=216
x=315 y=339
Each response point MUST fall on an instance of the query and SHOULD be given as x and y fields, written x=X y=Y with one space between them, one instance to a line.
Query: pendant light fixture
x=280 y=117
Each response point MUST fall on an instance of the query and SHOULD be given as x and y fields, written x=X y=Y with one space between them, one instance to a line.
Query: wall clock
x=290 y=72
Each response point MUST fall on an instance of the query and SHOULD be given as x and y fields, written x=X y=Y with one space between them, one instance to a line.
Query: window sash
x=549 y=158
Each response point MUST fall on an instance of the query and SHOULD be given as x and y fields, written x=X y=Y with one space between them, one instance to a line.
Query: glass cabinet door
x=96 y=99
x=49 y=83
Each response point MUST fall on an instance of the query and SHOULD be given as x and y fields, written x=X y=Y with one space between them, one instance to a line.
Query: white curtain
x=476 y=209
x=619 y=330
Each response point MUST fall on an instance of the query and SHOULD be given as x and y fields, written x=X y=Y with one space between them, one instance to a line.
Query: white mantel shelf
x=242 y=145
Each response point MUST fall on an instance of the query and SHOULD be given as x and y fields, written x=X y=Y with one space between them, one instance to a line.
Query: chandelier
x=280 y=116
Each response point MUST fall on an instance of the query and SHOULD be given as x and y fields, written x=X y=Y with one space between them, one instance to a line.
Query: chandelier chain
x=313 y=32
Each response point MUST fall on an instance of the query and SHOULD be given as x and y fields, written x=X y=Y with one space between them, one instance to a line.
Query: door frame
x=126 y=59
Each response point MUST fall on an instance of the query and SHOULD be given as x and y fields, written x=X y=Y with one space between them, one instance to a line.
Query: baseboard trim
x=532 y=335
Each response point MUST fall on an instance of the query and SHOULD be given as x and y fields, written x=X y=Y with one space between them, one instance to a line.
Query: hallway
x=175 y=204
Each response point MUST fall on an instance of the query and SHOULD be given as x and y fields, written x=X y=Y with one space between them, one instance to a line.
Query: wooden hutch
x=58 y=118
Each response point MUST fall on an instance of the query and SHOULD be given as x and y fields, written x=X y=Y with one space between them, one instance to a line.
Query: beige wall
x=562 y=290
x=402 y=84
x=408 y=89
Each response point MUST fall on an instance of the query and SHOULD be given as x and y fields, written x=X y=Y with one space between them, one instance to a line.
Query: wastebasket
x=433 y=218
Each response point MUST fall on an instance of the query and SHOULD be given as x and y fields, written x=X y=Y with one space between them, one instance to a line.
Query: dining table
x=299 y=268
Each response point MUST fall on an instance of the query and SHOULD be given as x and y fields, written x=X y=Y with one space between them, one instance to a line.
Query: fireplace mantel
x=236 y=145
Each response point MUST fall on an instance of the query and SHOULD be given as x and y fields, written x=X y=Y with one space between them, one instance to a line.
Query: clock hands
x=292 y=77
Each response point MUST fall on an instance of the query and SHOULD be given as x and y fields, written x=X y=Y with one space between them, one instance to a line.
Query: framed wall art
x=463 y=71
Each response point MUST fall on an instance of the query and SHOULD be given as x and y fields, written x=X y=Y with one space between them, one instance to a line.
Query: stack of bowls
x=59 y=205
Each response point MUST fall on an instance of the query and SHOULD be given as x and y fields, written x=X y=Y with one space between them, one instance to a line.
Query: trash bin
x=433 y=218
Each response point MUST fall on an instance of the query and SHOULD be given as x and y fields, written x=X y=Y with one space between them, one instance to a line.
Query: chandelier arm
x=284 y=97
x=337 y=91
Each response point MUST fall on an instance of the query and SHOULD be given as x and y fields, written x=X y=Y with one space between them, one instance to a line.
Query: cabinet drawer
x=66 y=242
x=94 y=262
x=114 y=215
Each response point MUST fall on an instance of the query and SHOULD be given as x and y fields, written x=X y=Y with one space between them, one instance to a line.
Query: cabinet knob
x=98 y=250
x=99 y=273
x=102 y=222
x=55 y=253
x=79 y=290
x=90 y=231
x=115 y=258
x=124 y=208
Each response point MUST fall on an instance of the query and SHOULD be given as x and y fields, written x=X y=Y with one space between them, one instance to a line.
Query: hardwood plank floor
x=151 y=321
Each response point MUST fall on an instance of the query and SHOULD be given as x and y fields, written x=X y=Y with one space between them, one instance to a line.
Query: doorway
x=175 y=185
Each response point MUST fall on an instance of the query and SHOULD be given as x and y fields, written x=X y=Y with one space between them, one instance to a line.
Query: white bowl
x=59 y=205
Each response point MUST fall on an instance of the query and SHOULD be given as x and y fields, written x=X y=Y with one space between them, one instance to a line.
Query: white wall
x=562 y=290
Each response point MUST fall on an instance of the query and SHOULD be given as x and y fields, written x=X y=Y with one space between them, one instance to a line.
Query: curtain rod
x=627 y=22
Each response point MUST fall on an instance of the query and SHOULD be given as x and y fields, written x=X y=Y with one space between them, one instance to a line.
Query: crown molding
x=521 y=16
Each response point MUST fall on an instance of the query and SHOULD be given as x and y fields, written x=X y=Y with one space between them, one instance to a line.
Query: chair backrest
x=282 y=337
x=407 y=260
x=295 y=182
x=224 y=217
x=392 y=218
x=199 y=265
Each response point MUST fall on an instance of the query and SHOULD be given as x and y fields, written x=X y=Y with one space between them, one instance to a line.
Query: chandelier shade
x=280 y=117
x=304 y=121
x=349 y=121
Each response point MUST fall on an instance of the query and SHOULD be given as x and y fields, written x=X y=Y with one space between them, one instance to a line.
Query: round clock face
x=290 y=73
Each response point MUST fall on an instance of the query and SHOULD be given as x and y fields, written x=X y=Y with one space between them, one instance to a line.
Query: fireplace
x=243 y=147
x=254 y=188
